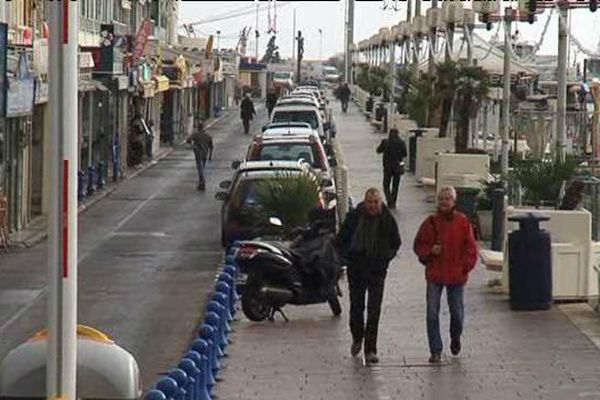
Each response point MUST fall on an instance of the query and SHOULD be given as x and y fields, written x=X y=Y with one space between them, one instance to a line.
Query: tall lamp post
x=320 y=44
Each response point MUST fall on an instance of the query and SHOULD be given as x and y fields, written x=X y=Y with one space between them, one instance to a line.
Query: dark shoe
x=371 y=358
x=435 y=359
x=355 y=348
x=455 y=346
x=201 y=188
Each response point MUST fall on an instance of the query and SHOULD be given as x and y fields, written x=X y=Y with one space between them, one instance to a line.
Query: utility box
x=104 y=370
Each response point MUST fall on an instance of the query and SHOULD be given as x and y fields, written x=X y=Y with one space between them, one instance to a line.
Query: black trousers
x=391 y=183
x=362 y=281
x=246 y=123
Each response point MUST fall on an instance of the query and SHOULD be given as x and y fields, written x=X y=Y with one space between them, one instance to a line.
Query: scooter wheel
x=334 y=304
x=254 y=309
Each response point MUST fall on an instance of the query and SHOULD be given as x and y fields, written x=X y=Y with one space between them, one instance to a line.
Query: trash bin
x=530 y=264
x=466 y=201
x=412 y=148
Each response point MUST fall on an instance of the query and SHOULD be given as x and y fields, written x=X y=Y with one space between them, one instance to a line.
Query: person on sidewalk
x=202 y=144
x=271 y=101
x=394 y=153
x=344 y=95
x=369 y=239
x=247 y=112
x=446 y=246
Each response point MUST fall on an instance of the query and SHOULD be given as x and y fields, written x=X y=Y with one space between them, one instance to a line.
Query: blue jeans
x=200 y=165
x=454 y=294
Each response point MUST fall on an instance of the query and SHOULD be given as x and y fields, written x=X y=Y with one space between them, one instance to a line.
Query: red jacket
x=459 y=249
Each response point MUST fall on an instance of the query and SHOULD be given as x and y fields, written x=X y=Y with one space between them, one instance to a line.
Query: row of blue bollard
x=196 y=375
x=91 y=179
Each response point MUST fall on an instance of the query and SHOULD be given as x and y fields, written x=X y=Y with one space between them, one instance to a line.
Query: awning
x=90 y=85
x=162 y=83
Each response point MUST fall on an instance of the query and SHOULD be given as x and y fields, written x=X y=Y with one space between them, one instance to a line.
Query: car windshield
x=287 y=152
x=246 y=194
x=309 y=117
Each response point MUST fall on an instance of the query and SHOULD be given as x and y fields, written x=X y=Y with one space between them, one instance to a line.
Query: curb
x=41 y=236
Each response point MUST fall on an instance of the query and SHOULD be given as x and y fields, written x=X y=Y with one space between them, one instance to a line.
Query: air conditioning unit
x=434 y=18
x=486 y=7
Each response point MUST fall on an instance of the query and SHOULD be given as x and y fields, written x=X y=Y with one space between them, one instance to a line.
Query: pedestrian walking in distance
x=202 y=144
x=271 y=101
x=446 y=246
x=394 y=152
x=344 y=95
x=247 y=112
x=369 y=239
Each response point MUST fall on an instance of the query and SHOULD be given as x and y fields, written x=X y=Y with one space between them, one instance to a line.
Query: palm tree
x=471 y=89
x=445 y=90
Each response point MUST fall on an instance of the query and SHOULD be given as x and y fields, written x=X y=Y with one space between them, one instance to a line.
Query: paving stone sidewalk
x=506 y=355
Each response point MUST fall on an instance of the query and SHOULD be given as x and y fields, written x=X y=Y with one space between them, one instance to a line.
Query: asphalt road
x=148 y=254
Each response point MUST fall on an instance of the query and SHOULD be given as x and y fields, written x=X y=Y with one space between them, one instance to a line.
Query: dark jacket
x=247 y=109
x=394 y=153
x=344 y=93
x=271 y=100
x=202 y=142
x=389 y=238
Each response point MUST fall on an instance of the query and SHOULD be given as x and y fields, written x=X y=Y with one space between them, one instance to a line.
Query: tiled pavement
x=506 y=355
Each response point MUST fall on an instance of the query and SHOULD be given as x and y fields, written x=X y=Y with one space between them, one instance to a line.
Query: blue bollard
x=81 y=185
x=202 y=347
x=169 y=387
x=92 y=179
x=183 y=382
x=200 y=368
x=230 y=260
x=208 y=333
x=230 y=282
x=195 y=374
x=216 y=306
x=102 y=174
x=155 y=394
x=232 y=271
x=225 y=301
x=214 y=320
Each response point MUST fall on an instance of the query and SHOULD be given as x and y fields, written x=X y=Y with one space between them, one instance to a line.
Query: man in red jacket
x=445 y=244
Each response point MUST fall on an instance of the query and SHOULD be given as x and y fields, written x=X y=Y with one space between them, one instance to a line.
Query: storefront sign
x=20 y=93
x=230 y=69
x=3 y=77
x=40 y=56
x=41 y=92
x=162 y=83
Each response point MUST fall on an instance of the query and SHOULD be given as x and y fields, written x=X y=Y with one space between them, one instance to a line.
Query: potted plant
x=541 y=179
x=289 y=197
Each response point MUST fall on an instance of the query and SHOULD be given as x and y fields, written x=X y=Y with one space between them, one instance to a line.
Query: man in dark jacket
x=247 y=112
x=345 y=94
x=271 y=101
x=394 y=152
x=369 y=239
x=202 y=144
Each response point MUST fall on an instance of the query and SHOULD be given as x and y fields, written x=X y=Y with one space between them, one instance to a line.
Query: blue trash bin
x=530 y=264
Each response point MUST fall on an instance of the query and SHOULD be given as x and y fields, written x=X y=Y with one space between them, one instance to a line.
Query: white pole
x=3 y=11
x=561 y=106
x=257 y=31
x=506 y=93
x=62 y=252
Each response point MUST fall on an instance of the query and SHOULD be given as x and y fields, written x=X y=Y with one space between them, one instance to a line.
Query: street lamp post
x=218 y=40
x=320 y=44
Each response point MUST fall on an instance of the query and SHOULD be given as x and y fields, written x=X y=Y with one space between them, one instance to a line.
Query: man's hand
x=436 y=250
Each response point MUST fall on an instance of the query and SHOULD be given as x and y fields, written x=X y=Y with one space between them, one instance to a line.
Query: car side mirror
x=326 y=126
x=264 y=128
x=225 y=184
x=221 y=196
x=330 y=196
x=235 y=164
x=333 y=162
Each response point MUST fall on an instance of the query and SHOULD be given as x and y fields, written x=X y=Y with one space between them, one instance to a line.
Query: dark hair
x=393 y=132
x=200 y=125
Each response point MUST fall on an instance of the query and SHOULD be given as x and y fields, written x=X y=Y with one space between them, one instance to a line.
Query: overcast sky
x=370 y=16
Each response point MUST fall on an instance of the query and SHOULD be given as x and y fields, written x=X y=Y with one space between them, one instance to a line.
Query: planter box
x=484 y=218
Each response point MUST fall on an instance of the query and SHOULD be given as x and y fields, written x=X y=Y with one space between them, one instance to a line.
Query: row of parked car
x=296 y=140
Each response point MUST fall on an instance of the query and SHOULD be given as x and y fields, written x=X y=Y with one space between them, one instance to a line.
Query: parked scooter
x=307 y=271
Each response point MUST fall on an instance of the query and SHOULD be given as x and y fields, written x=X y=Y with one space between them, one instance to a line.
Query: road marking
x=133 y=234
